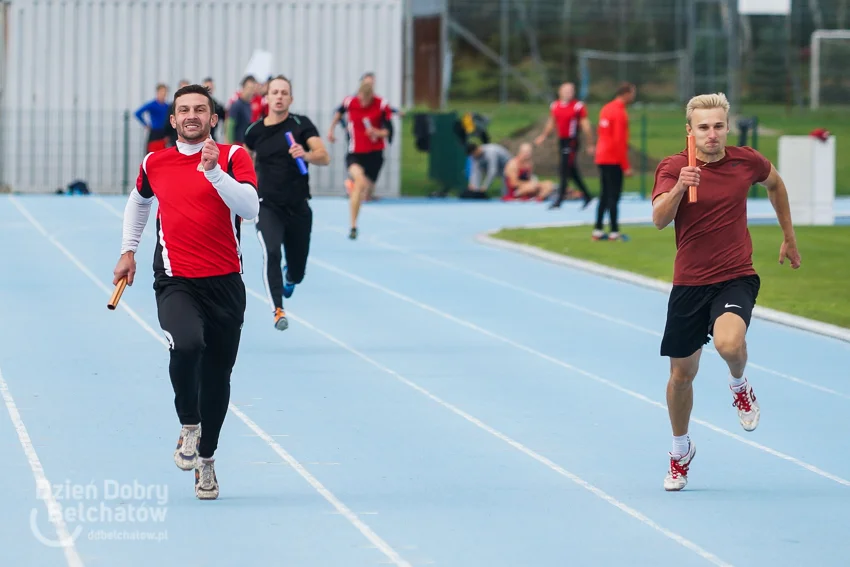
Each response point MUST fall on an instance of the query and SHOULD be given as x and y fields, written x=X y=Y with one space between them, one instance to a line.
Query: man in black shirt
x=285 y=219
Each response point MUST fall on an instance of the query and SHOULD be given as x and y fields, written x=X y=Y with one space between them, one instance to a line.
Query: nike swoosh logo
x=728 y=305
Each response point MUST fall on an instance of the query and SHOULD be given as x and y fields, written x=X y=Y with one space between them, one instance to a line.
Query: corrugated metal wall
x=4 y=10
x=76 y=66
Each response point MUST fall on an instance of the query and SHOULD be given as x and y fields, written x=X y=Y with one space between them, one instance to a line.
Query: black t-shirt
x=279 y=179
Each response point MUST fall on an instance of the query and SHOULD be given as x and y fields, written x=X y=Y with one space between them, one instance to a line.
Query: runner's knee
x=185 y=342
x=729 y=334
x=356 y=172
x=684 y=370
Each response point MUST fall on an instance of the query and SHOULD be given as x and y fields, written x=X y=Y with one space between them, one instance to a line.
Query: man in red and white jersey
x=369 y=125
x=204 y=189
x=566 y=115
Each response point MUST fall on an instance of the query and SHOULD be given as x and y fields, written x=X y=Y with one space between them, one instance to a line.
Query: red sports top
x=567 y=116
x=612 y=141
x=197 y=233
x=713 y=242
x=378 y=113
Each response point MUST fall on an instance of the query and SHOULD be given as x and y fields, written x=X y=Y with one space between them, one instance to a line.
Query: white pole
x=444 y=51
x=814 y=72
x=814 y=68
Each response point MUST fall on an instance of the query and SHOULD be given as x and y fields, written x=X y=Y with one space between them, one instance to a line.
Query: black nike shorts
x=692 y=311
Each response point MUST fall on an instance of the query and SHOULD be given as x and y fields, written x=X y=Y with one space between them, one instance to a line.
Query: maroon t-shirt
x=712 y=240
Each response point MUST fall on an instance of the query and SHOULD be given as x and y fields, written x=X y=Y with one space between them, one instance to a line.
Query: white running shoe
x=206 y=483
x=748 y=408
x=677 y=476
x=187 y=447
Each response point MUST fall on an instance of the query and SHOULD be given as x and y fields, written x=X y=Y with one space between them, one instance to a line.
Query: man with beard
x=204 y=189
x=285 y=217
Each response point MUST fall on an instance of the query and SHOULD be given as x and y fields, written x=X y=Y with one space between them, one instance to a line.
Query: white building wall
x=75 y=67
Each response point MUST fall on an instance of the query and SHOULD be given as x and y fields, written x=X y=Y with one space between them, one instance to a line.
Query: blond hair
x=706 y=102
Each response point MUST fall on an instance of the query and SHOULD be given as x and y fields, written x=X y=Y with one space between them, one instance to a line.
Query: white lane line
x=559 y=362
x=513 y=443
x=44 y=489
x=364 y=529
x=575 y=307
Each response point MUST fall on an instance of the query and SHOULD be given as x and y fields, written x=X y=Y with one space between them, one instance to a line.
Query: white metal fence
x=76 y=69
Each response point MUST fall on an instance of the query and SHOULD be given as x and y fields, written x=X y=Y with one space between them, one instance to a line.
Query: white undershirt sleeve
x=136 y=215
x=242 y=198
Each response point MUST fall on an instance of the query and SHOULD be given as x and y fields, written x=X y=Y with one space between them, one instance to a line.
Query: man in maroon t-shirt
x=714 y=283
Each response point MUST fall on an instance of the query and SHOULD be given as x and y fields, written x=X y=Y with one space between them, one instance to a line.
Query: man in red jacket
x=612 y=157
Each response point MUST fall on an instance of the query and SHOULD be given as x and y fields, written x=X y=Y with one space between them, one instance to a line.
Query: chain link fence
x=520 y=50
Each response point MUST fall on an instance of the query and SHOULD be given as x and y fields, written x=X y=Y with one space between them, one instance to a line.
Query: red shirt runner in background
x=377 y=113
x=566 y=116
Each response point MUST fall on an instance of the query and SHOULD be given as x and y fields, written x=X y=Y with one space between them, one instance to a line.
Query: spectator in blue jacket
x=157 y=118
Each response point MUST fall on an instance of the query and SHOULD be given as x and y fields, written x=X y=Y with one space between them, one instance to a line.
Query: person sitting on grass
x=520 y=182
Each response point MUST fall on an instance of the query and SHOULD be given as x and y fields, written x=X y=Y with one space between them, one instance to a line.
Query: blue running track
x=434 y=401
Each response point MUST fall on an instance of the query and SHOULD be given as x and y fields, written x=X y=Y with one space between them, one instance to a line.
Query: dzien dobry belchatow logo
x=106 y=510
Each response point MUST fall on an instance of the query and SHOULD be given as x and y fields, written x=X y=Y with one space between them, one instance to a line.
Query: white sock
x=681 y=445
x=737 y=384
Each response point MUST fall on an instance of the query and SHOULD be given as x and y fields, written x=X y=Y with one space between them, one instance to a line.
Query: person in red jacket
x=612 y=157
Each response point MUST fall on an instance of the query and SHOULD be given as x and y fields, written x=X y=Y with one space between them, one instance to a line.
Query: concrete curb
x=787 y=319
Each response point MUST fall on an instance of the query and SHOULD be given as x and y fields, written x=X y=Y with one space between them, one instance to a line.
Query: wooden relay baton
x=116 y=295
